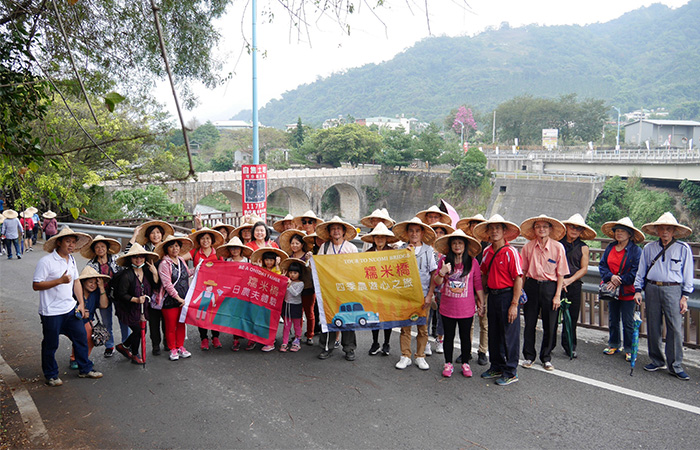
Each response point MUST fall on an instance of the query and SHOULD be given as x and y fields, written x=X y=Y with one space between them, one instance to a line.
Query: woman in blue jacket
x=622 y=252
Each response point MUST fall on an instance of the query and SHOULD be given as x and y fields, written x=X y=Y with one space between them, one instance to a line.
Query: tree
x=352 y=143
x=429 y=145
x=464 y=121
x=691 y=196
x=396 y=149
x=296 y=138
x=151 y=201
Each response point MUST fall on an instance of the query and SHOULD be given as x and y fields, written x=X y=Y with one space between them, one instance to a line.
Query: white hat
x=401 y=230
x=137 y=250
x=512 y=231
x=442 y=245
x=577 y=220
x=444 y=217
x=527 y=230
x=380 y=230
x=83 y=239
x=667 y=218
x=113 y=246
x=609 y=229
x=381 y=214
x=322 y=230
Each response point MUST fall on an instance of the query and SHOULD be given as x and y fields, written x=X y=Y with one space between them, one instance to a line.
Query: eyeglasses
x=576 y=227
x=308 y=222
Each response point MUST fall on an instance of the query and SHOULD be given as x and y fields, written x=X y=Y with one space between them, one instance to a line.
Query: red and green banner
x=372 y=290
x=236 y=298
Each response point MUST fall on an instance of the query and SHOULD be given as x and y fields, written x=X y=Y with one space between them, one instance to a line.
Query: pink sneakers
x=466 y=370
x=447 y=371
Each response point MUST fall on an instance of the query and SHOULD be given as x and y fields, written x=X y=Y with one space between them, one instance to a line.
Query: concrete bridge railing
x=647 y=156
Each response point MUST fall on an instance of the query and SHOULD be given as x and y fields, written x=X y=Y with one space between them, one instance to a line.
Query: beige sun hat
x=113 y=246
x=448 y=228
x=258 y=254
x=608 y=229
x=141 y=236
x=381 y=214
x=227 y=226
x=237 y=231
x=286 y=237
x=10 y=214
x=186 y=245
x=49 y=215
x=512 y=231
x=223 y=252
x=310 y=239
x=527 y=230
x=278 y=226
x=307 y=215
x=380 y=230
x=444 y=217
x=588 y=233
x=83 y=239
x=196 y=236
x=442 y=245
x=680 y=232
x=401 y=230
x=462 y=224
x=252 y=218
x=137 y=250
x=31 y=210
x=322 y=229
x=88 y=272
x=27 y=215
x=284 y=265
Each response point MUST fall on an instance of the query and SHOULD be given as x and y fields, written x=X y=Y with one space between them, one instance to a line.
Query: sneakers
x=325 y=354
x=156 y=350
x=447 y=370
x=350 y=356
x=422 y=364
x=503 y=381
x=428 y=349
x=53 y=382
x=467 y=371
x=653 y=368
x=91 y=374
x=681 y=375
x=482 y=360
x=283 y=348
x=174 y=355
x=309 y=341
x=205 y=344
x=250 y=346
x=216 y=343
x=439 y=347
x=268 y=348
x=548 y=366
x=374 y=349
x=528 y=363
x=386 y=348
x=490 y=374
x=236 y=345
x=336 y=344
x=611 y=350
x=74 y=365
x=109 y=352
x=182 y=351
x=296 y=345
x=404 y=362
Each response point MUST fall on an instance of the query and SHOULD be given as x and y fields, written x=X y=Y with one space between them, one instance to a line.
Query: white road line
x=610 y=387
x=36 y=431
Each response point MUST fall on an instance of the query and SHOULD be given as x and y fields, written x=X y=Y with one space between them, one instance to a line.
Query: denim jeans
x=107 y=320
x=8 y=245
x=68 y=325
x=621 y=309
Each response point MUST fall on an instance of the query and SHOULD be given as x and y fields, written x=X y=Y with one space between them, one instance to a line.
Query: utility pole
x=256 y=147
x=493 y=137
x=617 y=139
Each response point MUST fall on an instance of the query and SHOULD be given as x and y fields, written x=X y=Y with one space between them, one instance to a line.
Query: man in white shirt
x=56 y=279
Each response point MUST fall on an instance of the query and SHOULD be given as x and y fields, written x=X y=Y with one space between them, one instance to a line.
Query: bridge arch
x=234 y=198
x=298 y=202
x=350 y=201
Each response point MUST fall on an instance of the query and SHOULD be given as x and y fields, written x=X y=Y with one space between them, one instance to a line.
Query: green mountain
x=646 y=58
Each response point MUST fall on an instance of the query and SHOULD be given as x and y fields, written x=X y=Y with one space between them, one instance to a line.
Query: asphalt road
x=222 y=399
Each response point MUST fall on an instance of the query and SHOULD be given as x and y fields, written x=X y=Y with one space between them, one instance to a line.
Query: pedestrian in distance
x=618 y=269
x=502 y=278
x=666 y=276
x=56 y=278
x=11 y=232
x=50 y=225
x=545 y=266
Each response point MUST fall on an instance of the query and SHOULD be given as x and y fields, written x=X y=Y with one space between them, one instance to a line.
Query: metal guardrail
x=647 y=156
x=549 y=177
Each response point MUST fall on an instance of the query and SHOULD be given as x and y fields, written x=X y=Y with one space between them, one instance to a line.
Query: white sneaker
x=422 y=365
x=440 y=347
x=404 y=362
x=428 y=349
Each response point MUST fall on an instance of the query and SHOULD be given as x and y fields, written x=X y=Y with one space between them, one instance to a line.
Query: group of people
x=21 y=231
x=467 y=269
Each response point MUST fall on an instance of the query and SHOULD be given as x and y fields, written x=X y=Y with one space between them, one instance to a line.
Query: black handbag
x=100 y=333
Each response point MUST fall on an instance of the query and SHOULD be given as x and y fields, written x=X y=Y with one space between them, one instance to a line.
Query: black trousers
x=133 y=342
x=203 y=333
x=156 y=324
x=465 y=337
x=504 y=337
x=347 y=339
x=540 y=295
x=387 y=335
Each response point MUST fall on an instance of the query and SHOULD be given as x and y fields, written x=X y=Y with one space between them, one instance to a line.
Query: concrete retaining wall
x=406 y=193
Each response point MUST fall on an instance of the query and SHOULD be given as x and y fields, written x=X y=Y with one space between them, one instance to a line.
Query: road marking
x=610 y=387
x=36 y=431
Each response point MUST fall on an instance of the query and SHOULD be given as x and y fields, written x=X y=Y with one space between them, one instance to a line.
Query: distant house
x=232 y=125
x=393 y=123
x=662 y=133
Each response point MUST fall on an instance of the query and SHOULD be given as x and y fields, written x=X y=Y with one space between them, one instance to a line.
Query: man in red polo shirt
x=502 y=274
x=544 y=265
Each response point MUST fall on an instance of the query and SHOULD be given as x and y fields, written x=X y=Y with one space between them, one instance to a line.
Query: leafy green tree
x=296 y=138
x=207 y=135
x=151 y=201
x=691 y=196
x=396 y=149
x=352 y=143
x=429 y=145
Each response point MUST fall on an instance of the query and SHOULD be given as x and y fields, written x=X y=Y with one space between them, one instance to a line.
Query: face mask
x=137 y=267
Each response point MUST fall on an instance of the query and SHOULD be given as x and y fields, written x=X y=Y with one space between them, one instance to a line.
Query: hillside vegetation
x=646 y=58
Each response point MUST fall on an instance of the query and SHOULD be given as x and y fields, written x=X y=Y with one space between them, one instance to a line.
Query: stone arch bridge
x=304 y=188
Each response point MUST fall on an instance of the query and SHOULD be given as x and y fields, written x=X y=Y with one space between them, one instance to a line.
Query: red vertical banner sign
x=254 y=189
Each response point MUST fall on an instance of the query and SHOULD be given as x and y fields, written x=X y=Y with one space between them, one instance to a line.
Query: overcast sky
x=290 y=61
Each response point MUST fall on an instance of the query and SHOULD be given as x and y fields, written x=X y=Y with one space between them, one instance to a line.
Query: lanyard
x=339 y=250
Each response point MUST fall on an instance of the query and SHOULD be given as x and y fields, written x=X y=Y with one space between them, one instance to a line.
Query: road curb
x=36 y=431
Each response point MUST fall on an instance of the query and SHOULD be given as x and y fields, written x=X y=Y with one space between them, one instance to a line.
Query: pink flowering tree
x=464 y=116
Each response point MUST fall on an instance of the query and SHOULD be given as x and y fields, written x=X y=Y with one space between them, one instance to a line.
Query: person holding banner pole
x=337 y=234
x=419 y=238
